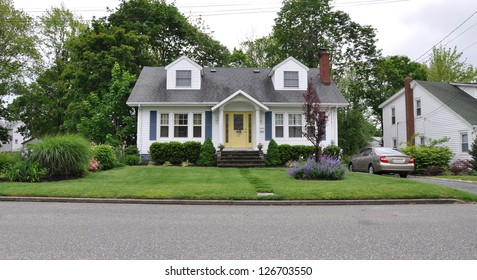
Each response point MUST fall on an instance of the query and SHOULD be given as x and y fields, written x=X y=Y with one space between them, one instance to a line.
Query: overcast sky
x=403 y=27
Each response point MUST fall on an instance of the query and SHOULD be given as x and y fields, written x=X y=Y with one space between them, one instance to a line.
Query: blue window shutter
x=268 y=126
x=208 y=124
x=152 y=125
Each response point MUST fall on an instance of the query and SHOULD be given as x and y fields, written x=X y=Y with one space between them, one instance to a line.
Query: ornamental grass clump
x=327 y=168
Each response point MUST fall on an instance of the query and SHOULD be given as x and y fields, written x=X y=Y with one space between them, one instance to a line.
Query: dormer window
x=290 y=79
x=183 y=78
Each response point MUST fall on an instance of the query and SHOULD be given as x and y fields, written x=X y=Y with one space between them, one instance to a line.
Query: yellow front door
x=238 y=129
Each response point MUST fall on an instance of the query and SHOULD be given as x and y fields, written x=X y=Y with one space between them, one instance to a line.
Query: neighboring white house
x=16 y=142
x=236 y=107
x=432 y=110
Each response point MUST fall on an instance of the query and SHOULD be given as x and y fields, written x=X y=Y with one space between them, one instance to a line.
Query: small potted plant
x=221 y=148
x=260 y=152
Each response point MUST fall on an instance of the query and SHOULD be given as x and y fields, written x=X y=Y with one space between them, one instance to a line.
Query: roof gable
x=240 y=92
x=292 y=59
x=190 y=61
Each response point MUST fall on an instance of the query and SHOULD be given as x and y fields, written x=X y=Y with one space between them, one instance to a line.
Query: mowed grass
x=228 y=183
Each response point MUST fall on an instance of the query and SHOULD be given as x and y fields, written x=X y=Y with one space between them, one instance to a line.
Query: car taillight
x=411 y=160
x=383 y=159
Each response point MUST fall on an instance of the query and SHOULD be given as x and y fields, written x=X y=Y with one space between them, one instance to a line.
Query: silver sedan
x=378 y=160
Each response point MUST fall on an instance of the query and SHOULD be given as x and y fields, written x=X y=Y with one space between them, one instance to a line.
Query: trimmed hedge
x=281 y=154
x=175 y=152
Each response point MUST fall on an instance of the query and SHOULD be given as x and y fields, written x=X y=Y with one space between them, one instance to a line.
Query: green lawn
x=228 y=183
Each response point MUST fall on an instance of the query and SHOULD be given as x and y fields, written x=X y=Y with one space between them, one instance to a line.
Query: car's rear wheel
x=403 y=175
x=371 y=169
x=350 y=167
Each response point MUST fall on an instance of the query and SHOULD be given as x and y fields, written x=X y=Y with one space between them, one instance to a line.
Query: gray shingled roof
x=456 y=99
x=216 y=86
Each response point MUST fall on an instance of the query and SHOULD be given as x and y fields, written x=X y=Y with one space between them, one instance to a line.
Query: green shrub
x=175 y=152
x=63 y=155
x=131 y=150
x=106 y=156
x=295 y=152
x=461 y=167
x=7 y=159
x=131 y=160
x=24 y=170
x=207 y=154
x=332 y=150
x=425 y=156
x=273 y=154
x=192 y=151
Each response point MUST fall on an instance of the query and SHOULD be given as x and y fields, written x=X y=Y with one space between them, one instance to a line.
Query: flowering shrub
x=93 y=165
x=328 y=168
x=461 y=166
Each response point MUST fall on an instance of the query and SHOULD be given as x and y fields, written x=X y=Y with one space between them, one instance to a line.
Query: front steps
x=240 y=158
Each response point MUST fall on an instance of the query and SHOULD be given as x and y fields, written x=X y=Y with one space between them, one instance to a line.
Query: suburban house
x=236 y=107
x=16 y=141
x=431 y=110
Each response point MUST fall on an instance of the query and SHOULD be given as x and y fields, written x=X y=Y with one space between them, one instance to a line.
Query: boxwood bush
x=273 y=154
x=175 y=152
x=106 y=156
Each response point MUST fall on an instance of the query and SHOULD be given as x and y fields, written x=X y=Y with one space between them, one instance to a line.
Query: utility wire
x=446 y=36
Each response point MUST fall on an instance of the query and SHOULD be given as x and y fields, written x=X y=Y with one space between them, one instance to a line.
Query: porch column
x=257 y=128
x=221 y=126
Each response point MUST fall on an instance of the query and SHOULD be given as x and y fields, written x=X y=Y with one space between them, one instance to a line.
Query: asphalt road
x=456 y=184
x=117 y=231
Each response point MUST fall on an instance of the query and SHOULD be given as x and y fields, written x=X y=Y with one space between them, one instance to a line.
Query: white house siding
x=437 y=121
x=15 y=144
x=183 y=65
x=144 y=141
x=278 y=79
x=398 y=130
x=331 y=127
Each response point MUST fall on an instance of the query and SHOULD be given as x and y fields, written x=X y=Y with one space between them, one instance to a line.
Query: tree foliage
x=17 y=54
x=354 y=131
x=445 y=65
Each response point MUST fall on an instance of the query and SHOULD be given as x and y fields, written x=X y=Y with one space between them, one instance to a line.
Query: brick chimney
x=324 y=65
x=409 y=97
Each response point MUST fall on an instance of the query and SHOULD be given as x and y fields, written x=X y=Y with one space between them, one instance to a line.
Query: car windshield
x=388 y=151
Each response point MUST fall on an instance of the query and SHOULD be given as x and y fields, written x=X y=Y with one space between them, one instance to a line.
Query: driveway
x=456 y=184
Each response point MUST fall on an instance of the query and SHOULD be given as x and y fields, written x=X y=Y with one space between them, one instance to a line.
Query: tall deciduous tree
x=17 y=53
x=446 y=65
x=42 y=107
x=108 y=118
x=315 y=120
x=170 y=34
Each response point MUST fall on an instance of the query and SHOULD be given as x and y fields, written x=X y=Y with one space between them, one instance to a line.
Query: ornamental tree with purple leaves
x=315 y=120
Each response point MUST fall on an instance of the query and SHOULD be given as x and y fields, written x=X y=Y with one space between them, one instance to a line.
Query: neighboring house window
x=197 y=125
x=393 y=115
x=180 y=125
x=164 y=125
x=294 y=125
x=290 y=78
x=465 y=142
x=423 y=140
x=418 y=107
x=183 y=78
x=278 y=125
x=394 y=143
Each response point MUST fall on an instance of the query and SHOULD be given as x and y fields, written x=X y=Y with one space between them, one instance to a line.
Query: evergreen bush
x=207 y=154
x=62 y=155
x=332 y=150
x=131 y=160
x=192 y=151
x=273 y=154
x=106 y=156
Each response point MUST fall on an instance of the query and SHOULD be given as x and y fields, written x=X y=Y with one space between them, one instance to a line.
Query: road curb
x=233 y=202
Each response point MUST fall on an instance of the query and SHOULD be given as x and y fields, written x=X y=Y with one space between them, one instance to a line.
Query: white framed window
x=197 y=123
x=181 y=125
x=183 y=78
x=422 y=140
x=393 y=115
x=295 y=125
x=279 y=131
x=290 y=79
x=164 y=129
x=464 y=137
x=418 y=107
